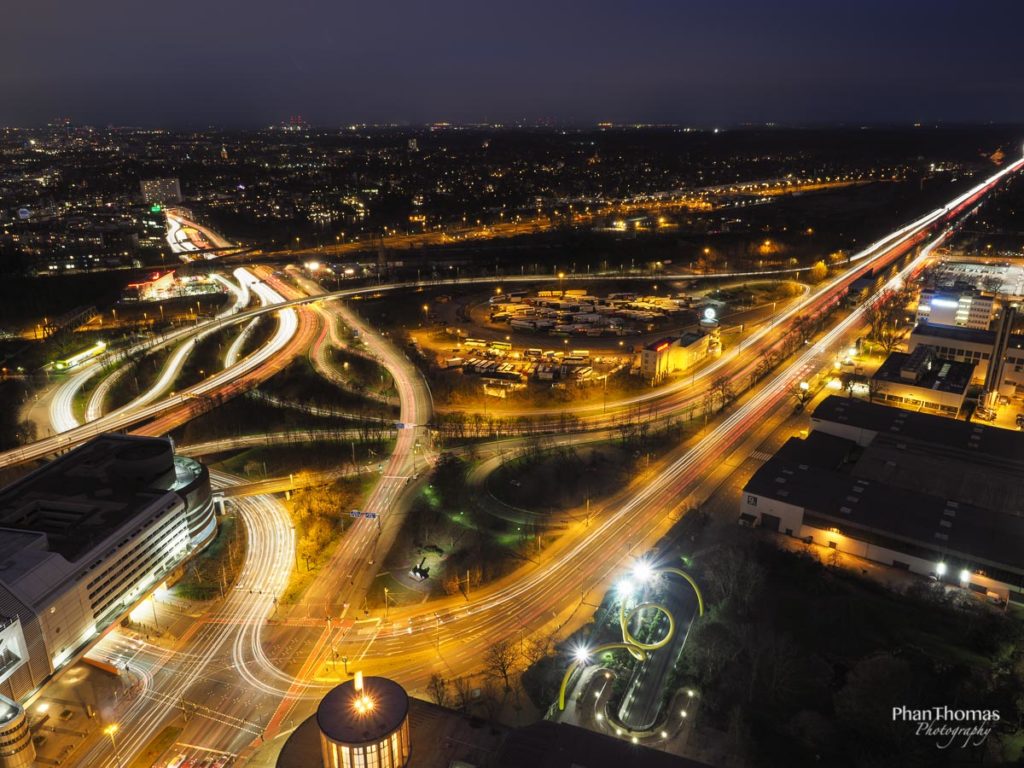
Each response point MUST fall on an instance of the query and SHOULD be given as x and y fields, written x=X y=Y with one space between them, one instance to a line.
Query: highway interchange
x=248 y=676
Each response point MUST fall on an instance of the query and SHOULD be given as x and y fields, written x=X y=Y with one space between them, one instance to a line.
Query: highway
x=198 y=672
x=62 y=416
x=447 y=634
x=290 y=338
x=190 y=240
x=77 y=434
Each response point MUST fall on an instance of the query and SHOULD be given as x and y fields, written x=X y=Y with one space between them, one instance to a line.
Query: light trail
x=170 y=675
x=62 y=415
x=589 y=558
x=288 y=324
x=405 y=645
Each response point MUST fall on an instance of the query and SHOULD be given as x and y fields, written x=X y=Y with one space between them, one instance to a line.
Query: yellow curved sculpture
x=600 y=649
x=637 y=649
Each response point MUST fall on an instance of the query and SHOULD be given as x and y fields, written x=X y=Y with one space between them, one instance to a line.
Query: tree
x=492 y=698
x=536 y=648
x=722 y=386
x=884 y=316
x=437 y=688
x=500 y=659
x=873 y=687
x=463 y=693
x=319 y=534
x=732 y=575
x=817 y=273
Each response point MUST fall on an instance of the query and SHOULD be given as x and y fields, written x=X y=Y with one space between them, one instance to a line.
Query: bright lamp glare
x=582 y=654
x=626 y=588
x=965 y=575
x=941 y=569
x=642 y=571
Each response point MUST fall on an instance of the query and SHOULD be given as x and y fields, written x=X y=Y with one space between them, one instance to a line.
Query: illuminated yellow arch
x=636 y=649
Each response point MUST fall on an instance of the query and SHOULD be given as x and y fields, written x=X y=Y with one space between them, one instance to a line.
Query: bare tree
x=492 y=697
x=722 y=386
x=500 y=659
x=463 y=693
x=536 y=648
x=438 y=689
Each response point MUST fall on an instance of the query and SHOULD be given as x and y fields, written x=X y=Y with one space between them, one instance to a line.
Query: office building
x=974 y=346
x=960 y=309
x=922 y=381
x=161 y=191
x=930 y=495
x=83 y=539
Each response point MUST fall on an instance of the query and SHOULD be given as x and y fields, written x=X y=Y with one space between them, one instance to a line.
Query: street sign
x=356 y=513
x=399 y=425
x=370 y=515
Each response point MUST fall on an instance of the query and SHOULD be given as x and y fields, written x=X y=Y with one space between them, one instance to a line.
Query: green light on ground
x=156 y=208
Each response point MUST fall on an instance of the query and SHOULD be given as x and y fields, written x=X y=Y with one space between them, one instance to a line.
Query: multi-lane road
x=444 y=634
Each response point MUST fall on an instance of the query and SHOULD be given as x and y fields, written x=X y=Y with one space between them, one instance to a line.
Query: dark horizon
x=540 y=125
x=739 y=61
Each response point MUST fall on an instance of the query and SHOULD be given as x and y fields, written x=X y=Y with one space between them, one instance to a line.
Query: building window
x=752 y=501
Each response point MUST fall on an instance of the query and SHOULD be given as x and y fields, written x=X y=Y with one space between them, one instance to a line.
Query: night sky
x=248 y=63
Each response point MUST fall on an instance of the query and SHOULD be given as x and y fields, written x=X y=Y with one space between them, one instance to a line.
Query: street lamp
x=642 y=571
x=626 y=588
x=110 y=730
x=582 y=654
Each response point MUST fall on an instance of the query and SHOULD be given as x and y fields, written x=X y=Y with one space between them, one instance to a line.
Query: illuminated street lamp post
x=110 y=730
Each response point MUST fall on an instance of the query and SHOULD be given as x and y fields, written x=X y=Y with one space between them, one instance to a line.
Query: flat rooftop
x=1000 y=277
x=977 y=443
x=851 y=502
x=80 y=498
x=954 y=333
x=935 y=374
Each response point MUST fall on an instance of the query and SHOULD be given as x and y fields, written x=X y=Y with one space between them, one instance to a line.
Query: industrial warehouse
x=879 y=483
x=85 y=538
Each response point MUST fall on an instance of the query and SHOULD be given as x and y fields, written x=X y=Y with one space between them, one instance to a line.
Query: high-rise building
x=161 y=191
